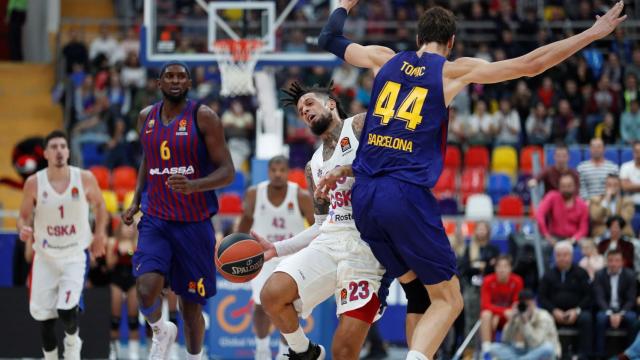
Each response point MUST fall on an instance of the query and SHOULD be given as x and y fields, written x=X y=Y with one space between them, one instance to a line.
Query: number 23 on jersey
x=410 y=108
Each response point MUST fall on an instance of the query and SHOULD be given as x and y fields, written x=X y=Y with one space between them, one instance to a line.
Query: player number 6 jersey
x=340 y=215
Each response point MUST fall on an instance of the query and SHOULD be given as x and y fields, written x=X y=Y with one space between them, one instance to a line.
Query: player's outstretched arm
x=246 y=221
x=332 y=39
x=96 y=201
x=25 y=217
x=128 y=214
x=469 y=70
x=211 y=127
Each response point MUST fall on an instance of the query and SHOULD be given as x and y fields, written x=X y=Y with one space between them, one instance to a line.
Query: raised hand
x=606 y=23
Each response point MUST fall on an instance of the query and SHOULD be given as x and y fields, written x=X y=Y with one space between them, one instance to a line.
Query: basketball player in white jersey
x=330 y=258
x=54 y=219
x=276 y=209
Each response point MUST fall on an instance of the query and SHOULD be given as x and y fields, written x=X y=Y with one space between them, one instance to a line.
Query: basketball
x=239 y=257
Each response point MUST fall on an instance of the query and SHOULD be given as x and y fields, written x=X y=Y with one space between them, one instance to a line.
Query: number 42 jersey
x=405 y=131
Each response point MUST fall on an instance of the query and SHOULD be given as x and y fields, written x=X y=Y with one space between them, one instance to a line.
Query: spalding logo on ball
x=239 y=257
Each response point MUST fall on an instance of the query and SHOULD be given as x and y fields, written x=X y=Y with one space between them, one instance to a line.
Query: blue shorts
x=182 y=251
x=402 y=225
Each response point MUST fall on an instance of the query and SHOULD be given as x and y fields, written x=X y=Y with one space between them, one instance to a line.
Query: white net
x=237 y=60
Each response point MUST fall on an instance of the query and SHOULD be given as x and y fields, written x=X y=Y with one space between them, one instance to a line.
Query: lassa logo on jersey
x=182 y=170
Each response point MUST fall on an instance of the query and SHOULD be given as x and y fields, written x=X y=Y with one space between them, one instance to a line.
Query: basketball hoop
x=237 y=60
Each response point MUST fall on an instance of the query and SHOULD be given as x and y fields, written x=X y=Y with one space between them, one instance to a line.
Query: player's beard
x=321 y=125
x=175 y=98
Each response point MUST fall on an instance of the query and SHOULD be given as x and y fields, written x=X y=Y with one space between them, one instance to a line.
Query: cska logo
x=290 y=206
x=75 y=193
x=345 y=144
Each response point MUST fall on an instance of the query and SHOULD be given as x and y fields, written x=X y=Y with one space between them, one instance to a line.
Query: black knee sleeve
x=132 y=322
x=417 y=297
x=48 y=331
x=69 y=319
x=115 y=322
x=173 y=317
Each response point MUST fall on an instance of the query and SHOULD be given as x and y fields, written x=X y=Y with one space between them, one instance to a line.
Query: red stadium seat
x=526 y=158
x=230 y=204
x=510 y=205
x=449 y=227
x=102 y=176
x=473 y=182
x=446 y=183
x=297 y=176
x=124 y=177
x=477 y=156
x=452 y=158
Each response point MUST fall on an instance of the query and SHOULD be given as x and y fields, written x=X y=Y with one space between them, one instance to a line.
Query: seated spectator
x=591 y=260
x=238 y=125
x=630 y=123
x=630 y=175
x=593 y=172
x=606 y=130
x=565 y=293
x=75 y=52
x=538 y=125
x=610 y=203
x=617 y=241
x=562 y=215
x=508 y=122
x=478 y=260
x=566 y=124
x=615 y=295
x=498 y=294
x=133 y=74
x=530 y=333
x=482 y=127
x=104 y=44
x=457 y=124
x=550 y=176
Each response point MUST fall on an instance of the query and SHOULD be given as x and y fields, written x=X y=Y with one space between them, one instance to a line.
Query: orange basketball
x=239 y=257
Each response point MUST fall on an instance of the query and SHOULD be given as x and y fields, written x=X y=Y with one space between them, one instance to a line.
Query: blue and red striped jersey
x=175 y=148
x=405 y=130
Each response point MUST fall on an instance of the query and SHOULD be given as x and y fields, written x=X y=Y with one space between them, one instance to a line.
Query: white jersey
x=281 y=222
x=340 y=216
x=61 y=221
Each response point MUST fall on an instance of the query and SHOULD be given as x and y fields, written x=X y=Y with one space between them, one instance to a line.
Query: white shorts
x=338 y=264
x=55 y=284
x=258 y=282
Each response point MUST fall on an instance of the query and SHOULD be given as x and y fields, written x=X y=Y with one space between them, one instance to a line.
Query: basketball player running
x=336 y=261
x=403 y=143
x=276 y=209
x=54 y=218
x=185 y=159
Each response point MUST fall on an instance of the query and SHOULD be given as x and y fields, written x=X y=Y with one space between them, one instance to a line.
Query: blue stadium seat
x=575 y=156
x=635 y=223
x=522 y=189
x=528 y=226
x=499 y=185
x=548 y=155
x=500 y=230
x=612 y=153
x=626 y=154
x=92 y=154
x=237 y=186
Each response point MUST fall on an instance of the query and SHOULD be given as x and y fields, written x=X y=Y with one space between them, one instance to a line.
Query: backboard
x=172 y=32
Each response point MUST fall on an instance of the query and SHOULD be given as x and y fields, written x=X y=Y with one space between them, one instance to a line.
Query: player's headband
x=175 y=62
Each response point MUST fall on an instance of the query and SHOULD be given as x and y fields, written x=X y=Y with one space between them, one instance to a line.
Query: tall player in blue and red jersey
x=185 y=159
x=402 y=149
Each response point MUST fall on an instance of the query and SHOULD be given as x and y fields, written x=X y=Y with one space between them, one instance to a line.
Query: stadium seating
x=510 y=205
x=237 y=186
x=297 y=176
x=505 y=160
x=499 y=186
x=102 y=175
x=230 y=204
x=467 y=229
x=452 y=158
x=92 y=154
x=123 y=180
x=611 y=153
x=479 y=207
x=522 y=188
x=575 y=156
x=449 y=227
x=128 y=200
x=472 y=182
x=548 y=155
x=626 y=154
x=110 y=201
x=476 y=156
x=446 y=184
x=526 y=158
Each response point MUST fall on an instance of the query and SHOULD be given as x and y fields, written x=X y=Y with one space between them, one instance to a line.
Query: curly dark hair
x=297 y=90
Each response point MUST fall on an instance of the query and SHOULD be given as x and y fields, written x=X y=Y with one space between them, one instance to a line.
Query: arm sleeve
x=331 y=37
x=541 y=215
x=301 y=240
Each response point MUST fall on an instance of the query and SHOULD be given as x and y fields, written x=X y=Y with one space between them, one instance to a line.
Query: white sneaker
x=134 y=350
x=283 y=352
x=51 y=355
x=263 y=354
x=175 y=352
x=113 y=350
x=162 y=342
x=72 y=347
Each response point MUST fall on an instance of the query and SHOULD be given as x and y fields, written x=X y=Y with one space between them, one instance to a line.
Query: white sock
x=416 y=355
x=134 y=346
x=282 y=348
x=51 y=355
x=262 y=344
x=72 y=338
x=197 y=356
x=486 y=346
x=158 y=326
x=297 y=340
